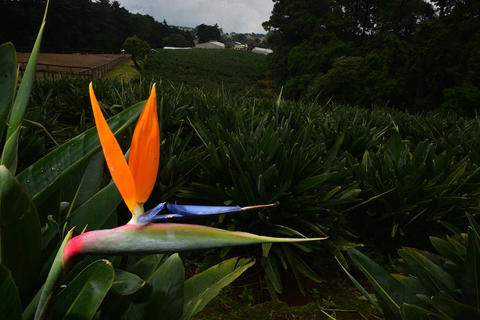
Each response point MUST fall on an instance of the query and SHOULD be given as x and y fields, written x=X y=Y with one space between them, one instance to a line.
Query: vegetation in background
x=237 y=72
x=107 y=26
x=378 y=177
x=139 y=49
x=442 y=285
x=207 y=33
x=404 y=54
x=125 y=72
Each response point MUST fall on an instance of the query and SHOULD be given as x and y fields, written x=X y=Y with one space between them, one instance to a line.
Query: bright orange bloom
x=136 y=180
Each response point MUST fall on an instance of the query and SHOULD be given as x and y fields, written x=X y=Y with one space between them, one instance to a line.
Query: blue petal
x=150 y=215
x=168 y=210
x=189 y=210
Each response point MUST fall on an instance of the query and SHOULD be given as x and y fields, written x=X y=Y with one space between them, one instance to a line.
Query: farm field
x=71 y=59
x=337 y=178
x=76 y=65
x=374 y=179
x=230 y=70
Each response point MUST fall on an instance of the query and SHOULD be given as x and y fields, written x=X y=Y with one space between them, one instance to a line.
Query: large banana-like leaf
x=433 y=277
x=20 y=233
x=21 y=100
x=8 y=79
x=11 y=307
x=390 y=292
x=127 y=283
x=82 y=297
x=203 y=287
x=104 y=202
x=163 y=237
x=47 y=170
x=167 y=290
x=63 y=167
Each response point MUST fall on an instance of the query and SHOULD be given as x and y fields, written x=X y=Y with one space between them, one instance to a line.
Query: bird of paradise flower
x=135 y=181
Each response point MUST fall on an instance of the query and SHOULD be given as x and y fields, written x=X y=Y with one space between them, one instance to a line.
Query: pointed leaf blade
x=203 y=287
x=11 y=307
x=8 y=79
x=127 y=283
x=20 y=233
x=82 y=297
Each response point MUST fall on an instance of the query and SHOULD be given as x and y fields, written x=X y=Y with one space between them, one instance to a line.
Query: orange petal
x=114 y=157
x=145 y=149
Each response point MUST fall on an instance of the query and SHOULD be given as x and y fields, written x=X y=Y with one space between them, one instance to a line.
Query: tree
x=407 y=54
x=139 y=50
x=176 y=40
x=207 y=33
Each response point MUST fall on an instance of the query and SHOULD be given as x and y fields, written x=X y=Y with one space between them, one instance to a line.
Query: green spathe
x=162 y=237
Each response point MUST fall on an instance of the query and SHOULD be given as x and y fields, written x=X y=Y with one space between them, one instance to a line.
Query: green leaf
x=272 y=272
x=455 y=309
x=432 y=276
x=332 y=154
x=52 y=279
x=23 y=95
x=389 y=291
x=446 y=249
x=20 y=233
x=165 y=237
x=126 y=283
x=203 y=287
x=10 y=152
x=91 y=180
x=82 y=297
x=11 y=307
x=357 y=284
x=414 y=312
x=166 y=300
x=471 y=274
x=145 y=267
x=93 y=213
x=63 y=167
x=8 y=79
x=313 y=182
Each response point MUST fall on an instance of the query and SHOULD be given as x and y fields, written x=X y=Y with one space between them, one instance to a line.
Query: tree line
x=402 y=53
x=80 y=25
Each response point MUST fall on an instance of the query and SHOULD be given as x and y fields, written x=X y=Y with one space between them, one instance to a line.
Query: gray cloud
x=231 y=15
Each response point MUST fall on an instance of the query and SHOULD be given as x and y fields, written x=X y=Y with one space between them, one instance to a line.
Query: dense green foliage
x=58 y=192
x=233 y=71
x=207 y=33
x=406 y=54
x=442 y=285
x=81 y=25
x=382 y=175
x=139 y=49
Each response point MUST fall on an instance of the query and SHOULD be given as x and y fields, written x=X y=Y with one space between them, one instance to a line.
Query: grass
x=231 y=70
x=124 y=71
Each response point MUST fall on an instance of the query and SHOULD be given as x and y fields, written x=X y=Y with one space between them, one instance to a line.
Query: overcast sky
x=242 y=16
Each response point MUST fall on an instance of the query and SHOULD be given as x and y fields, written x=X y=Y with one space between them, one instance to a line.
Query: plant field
x=381 y=178
x=230 y=70
x=326 y=166
x=146 y=192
